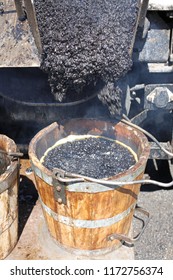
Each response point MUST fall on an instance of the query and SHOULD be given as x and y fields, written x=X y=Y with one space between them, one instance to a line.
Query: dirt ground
x=17 y=46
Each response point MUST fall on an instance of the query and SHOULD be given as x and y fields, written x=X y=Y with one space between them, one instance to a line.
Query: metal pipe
x=42 y=104
x=144 y=8
x=20 y=11
x=15 y=154
x=137 y=87
x=79 y=178
x=149 y=135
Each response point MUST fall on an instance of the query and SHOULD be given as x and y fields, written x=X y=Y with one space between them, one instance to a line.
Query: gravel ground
x=157 y=239
x=17 y=46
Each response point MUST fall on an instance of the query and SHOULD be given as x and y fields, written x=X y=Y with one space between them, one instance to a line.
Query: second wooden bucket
x=9 y=180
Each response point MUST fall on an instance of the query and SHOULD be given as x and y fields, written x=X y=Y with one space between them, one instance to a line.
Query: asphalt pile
x=85 y=44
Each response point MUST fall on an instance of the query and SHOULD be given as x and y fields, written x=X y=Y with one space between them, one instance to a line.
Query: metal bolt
x=161 y=98
x=133 y=94
x=59 y=200
x=58 y=188
x=169 y=14
x=29 y=171
x=111 y=238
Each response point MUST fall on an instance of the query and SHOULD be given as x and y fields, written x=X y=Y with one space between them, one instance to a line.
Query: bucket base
x=38 y=244
x=89 y=254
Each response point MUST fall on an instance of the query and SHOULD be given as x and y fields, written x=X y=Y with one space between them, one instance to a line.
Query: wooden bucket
x=91 y=212
x=8 y=197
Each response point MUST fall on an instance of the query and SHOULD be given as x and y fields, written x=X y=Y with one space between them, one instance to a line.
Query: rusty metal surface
x=17 y=46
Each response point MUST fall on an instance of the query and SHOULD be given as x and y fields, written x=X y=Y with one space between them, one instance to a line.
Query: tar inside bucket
x=90 y=155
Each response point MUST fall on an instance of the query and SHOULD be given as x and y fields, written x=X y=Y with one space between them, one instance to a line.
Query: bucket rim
x=132 y=171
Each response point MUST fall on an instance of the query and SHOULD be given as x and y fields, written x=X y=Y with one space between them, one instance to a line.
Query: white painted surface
x=160 y=5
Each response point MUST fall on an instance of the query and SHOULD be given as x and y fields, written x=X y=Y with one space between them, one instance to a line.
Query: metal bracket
x=12 y=174
x=59 y=188
x=20 y=11
x=138 y=119
x=127 y=240
x=159 y=97
x=157 y=153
